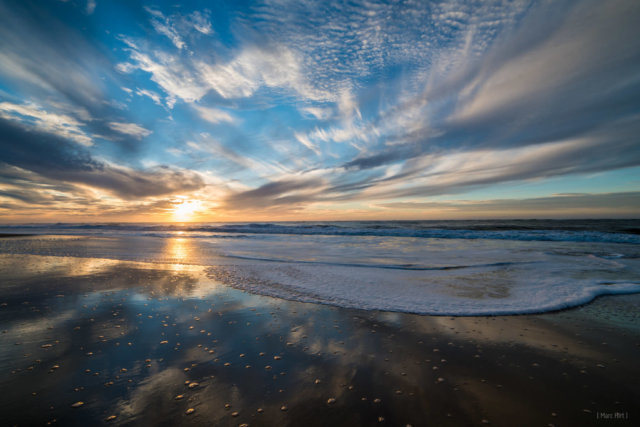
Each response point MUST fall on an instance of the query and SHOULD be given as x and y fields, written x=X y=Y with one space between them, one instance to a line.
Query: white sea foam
x=476 y=291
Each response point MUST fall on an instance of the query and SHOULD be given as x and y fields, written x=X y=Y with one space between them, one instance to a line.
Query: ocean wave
x=606 y=231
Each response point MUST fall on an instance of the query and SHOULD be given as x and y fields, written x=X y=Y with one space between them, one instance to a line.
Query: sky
x=318 y=110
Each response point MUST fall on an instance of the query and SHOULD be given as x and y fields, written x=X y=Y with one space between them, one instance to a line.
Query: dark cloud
x=385 y=157
x=625 y=204
x=278 y=193
x=578 y=157
x=58 y=159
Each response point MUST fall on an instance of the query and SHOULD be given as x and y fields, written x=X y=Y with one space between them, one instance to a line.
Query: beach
x=134 y=337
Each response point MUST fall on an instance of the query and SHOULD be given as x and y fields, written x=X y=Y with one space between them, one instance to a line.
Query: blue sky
x=295 y=110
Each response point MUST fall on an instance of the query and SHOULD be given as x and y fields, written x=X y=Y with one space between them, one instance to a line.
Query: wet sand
x=90 y=341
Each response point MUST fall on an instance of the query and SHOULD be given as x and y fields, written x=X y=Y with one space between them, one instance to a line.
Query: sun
x=184 y=210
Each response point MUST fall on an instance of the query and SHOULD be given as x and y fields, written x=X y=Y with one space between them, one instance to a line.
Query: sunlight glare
x=184 y=210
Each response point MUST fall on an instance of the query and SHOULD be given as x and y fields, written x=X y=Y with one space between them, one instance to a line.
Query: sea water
x=426 y=267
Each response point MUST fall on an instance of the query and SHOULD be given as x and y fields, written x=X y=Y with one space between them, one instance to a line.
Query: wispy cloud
x=163 y=26
x=149 y=94
x=62 y=125
x=213 y=115
x=91 y=6
x=169 y=73
x=290 y=192
x=176 y=26
x=132 y=129
x=564 y=205
x=253 y=67
x=189 y=79
x=49 y=59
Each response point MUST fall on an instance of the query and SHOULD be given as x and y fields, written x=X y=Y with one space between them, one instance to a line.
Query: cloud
x=581 y=74
x=163 y=26
x=131 y=129
x=213 y=115
x=149 y=94
x=62 y=125
x=91 y=6
x=275 y=67
x=625 y=204
x=176 y=26
x=56 y=158
x=304 y=140
x=201 y=22
x=191 y=78
x=451 y=173
x=60 y=70
x=169 y=73
x=219 y=152
x=287 y=192
x=318 y=112
x=53 y=59
x=348 y=41
x=29 y=189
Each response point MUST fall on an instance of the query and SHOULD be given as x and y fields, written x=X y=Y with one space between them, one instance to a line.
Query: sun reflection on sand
x=178 y=251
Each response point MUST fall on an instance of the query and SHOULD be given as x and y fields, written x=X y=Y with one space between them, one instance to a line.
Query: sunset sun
x=185 y=210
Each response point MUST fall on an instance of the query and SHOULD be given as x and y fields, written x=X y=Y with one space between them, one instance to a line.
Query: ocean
x=459 y=268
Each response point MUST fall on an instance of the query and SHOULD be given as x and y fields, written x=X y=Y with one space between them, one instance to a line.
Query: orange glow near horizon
x=185 y=210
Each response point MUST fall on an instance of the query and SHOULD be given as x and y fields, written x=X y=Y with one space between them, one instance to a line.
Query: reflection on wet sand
x=150 y=344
